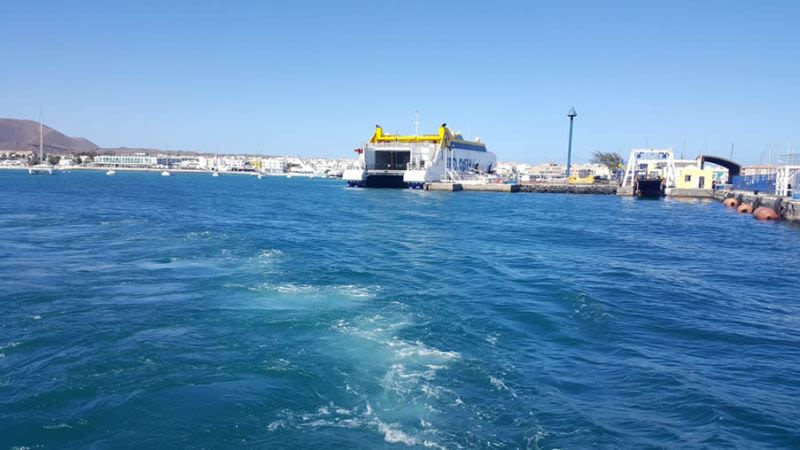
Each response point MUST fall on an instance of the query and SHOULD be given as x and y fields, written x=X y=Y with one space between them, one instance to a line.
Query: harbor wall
x=597 y=189
x=693 y=193
x=453 y=187
x=789 y=209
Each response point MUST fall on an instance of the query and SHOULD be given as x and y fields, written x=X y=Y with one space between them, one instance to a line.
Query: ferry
x=390 y=160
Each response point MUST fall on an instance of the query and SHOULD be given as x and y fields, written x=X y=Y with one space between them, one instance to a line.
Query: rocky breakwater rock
x=598 y=189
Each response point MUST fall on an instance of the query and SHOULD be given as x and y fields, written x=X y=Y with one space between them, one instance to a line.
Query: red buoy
x=765 y=213
x=744 y=208
x=731 y=202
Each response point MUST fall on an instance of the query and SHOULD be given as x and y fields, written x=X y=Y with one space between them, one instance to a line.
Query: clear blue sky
x=312 y=78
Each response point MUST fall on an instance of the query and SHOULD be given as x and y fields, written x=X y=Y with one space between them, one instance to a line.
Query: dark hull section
x=385 y=181
x=649 y=188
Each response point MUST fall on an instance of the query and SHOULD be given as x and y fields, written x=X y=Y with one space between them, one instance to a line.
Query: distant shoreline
x=148 y=169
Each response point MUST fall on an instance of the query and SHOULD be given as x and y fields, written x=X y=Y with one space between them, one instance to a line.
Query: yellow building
x=694 y=178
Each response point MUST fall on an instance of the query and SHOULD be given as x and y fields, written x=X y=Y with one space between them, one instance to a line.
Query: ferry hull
x=385 y=181
x=649 y=188
x=412 y=161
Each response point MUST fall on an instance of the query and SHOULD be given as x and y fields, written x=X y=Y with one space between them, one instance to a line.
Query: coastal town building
x=546 y=171
x=551 y=171
x=592 y=169
x=693 y=177
x=273 y=165
x=135 y=160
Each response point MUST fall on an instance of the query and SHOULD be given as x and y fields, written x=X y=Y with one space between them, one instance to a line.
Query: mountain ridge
x=22 y=134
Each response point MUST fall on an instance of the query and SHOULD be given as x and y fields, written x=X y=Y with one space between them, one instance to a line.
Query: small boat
x=259 y=176
x=40 y=169
x=111 y=172
x=215 y=174
x=288 y=175
x=166 y=173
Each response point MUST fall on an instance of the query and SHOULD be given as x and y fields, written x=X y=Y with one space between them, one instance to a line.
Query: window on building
x=687 y=178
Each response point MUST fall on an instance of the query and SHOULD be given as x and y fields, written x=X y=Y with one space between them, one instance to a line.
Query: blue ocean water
x=191 y=311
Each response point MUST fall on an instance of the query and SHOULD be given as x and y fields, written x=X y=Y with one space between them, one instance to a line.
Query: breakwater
x=786 y=209
x=597 y=189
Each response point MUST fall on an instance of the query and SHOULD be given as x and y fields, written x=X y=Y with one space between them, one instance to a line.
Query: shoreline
x=149 y=169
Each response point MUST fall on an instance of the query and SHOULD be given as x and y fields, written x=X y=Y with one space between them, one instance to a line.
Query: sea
x=141 y=311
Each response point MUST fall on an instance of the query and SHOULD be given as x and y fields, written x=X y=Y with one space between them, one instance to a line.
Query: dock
x=789 y=209
x=453 y=187
x=564 y=188
x=539 y=188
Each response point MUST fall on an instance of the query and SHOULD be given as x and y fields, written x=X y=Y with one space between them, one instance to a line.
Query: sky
x=313 y=78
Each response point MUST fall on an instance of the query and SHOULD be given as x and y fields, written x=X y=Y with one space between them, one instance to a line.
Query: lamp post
x=571 y=114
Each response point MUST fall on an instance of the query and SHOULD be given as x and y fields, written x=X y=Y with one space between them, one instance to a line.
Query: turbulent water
x=192 y=311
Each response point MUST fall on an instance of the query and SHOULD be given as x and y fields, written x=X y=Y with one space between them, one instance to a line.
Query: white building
x=593 y=169
x=135 y=160
x=505 y=168
x=547 y=170
x=273 y=165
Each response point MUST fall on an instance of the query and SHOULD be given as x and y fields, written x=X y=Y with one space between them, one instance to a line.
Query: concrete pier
x=597 y=189
x=692 y=193
x=674 y=192
x=790 y=209
x=490 y=187
x=445 y=187
x=625 y=191
x=453 y=187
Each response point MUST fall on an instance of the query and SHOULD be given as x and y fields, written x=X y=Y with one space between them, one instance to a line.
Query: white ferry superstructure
x=390 y=160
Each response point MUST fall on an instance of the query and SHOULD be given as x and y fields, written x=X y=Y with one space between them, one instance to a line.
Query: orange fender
x=765 y=213
x=744 y=208
x=731 y=202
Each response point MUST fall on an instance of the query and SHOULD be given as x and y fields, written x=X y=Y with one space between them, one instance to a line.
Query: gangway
x=650 y=163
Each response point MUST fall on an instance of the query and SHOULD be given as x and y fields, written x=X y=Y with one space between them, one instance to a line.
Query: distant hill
x=18 y=134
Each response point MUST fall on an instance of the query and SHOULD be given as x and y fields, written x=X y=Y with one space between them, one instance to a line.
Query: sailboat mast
x=41 y=134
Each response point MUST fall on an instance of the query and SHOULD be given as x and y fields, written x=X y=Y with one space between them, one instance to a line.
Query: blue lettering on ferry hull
x=466 y=146
x=464 y=164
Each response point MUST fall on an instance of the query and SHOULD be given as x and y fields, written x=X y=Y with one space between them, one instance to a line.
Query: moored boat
x=390 y=160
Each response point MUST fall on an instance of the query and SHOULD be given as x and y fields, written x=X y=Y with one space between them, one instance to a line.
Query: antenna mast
x=416 y=123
